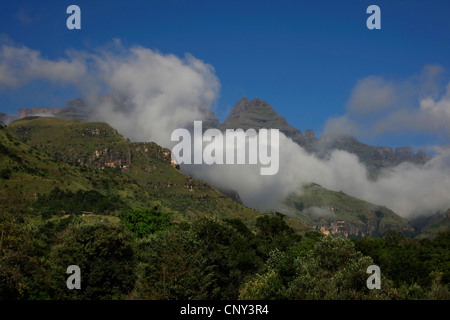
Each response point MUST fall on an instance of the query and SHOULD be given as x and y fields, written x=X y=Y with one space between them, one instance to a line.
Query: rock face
x=357 y=229
x=25 y=112
x=209 y=120
x=404 y=153
x=400 y=155
x=407 y=154
x=310 y=134
x=251 y=114
x=76 y=109
x=101 y=158
x=258 y=114
x=422 y=157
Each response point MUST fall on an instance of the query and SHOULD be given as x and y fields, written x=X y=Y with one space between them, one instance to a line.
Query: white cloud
x=432 y=116
x=413 y=104
x=372 y=94
x=439 y=108
x=164 y=92
x=19 y=65
x=342 y=125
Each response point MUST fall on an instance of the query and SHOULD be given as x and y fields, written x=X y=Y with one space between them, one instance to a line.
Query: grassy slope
x=149 y=177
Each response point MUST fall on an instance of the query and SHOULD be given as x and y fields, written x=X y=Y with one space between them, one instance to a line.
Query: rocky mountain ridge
x=258 y=114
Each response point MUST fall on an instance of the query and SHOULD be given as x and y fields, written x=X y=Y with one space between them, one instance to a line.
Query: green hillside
x=28 y=172
x=136 y=172
x=333 y=212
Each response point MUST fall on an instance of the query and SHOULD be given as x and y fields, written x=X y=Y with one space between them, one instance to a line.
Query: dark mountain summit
x=258 y=114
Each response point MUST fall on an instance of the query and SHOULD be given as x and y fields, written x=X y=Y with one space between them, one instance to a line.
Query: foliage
x=60 y=201
x=143 y=223
x=273 y=232
x=332 y=270
x=407 y=261
x=22 y=275
x=170 y=267
x=5 y=173
x=207 y=260
x=210 y=259
x=264 y=286
x=105 y=256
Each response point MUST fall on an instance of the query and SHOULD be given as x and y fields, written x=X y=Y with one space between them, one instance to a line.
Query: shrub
x=146 y=222
x=5 y=173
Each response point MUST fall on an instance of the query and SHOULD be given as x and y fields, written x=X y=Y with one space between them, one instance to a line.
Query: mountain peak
x=255 y=111
x=258 y=114
x=241 y=104
x=255 y=105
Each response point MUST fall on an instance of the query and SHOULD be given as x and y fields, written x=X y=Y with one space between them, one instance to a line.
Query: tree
x=333 y=269
x=105 y=256
x=273 y=232
x=206 y=260
x=264 y=286
x=21 y=273
x=230 y=254
x=171 y=266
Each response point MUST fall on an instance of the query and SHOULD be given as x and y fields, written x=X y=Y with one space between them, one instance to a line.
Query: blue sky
x=303 y=57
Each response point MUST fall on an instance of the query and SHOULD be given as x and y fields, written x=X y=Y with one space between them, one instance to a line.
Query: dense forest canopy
x=145 y=255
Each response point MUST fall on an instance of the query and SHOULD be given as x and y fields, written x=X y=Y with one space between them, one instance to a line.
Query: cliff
x=25 y=112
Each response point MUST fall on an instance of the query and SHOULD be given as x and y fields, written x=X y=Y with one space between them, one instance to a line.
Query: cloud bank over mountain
x=410 y=190
x=154 y=93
